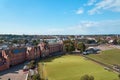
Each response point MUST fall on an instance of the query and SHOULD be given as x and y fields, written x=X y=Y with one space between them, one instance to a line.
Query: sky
x=59 y=17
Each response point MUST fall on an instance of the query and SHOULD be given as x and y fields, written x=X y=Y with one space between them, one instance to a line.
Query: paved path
x=14 y=73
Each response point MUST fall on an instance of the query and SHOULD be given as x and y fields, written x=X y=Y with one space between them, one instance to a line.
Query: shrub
x=36 y=77
x=87 y=77
x=119 y=76
x=91 y=78
x=31 y=64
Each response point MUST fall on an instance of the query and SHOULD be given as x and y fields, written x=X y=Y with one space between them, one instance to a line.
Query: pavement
x=14 y=73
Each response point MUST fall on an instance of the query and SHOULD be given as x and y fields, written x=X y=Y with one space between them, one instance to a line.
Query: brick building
x=33 y=52
x=14 y=56
x=4 y=61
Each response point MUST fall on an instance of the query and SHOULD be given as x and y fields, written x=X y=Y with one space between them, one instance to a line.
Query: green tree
x=69 y=45
x=25 y=41
x=1 y=41
x=115 y=41
x=35 y=42
x=90 y=41
x=118 y=41
x=81 y=46
x=71 y=37
x=15 y=41
x=101 y=41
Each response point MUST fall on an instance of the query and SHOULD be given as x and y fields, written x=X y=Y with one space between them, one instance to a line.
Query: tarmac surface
x=14 y=73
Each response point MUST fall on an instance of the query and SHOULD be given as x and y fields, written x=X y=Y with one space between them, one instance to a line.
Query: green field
x=71 y=67
x=108 y=57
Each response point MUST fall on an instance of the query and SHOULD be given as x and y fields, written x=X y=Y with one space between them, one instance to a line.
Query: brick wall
x=4 y=61
x=17 y=57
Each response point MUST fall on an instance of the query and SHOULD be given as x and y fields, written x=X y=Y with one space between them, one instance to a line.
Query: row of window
x=17 y=61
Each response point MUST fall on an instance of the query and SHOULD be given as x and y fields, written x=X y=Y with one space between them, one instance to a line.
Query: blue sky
x=64 y=17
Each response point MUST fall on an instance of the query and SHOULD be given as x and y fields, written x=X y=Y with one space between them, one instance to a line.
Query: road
x=14 y=73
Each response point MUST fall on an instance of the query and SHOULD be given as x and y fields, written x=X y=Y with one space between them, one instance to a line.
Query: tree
x=90 y=41
x=31 y=64
x=81 y=46
x=101 y=41
x=15 y=41
x=25 y=41
x=87 y=77
x=118 y=41
x=46 y=44
x=35 y=42
x=115 y=41
x=69 y=45
x=1 y=41
x=71 y=37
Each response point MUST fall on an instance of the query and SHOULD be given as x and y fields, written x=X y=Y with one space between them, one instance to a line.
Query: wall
x=18 y=55
x=4 y=61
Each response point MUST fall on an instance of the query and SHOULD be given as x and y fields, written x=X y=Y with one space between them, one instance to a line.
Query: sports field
x=108 y=57
x=71 y=67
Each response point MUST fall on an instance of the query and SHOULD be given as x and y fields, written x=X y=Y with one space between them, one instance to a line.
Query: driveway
x=14 y=73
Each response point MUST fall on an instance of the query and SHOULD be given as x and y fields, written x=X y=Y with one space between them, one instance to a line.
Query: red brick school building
x=14 y=56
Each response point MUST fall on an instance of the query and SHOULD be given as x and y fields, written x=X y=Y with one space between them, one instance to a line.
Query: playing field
x=71 y=67
x=108 y=57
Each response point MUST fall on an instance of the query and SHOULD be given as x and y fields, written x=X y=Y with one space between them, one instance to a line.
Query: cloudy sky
x=45 y=17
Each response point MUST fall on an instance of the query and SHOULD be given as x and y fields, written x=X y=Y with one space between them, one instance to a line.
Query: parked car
x=91 y=51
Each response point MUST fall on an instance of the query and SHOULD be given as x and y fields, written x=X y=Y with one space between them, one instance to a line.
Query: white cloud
x=97 y=27
x=111 y=5
x=80 y=11
x=90 y=2
x=83 y=27
x=89 y=27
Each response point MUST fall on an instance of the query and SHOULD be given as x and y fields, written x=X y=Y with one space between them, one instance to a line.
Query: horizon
x=61 y=34
x=56 y=17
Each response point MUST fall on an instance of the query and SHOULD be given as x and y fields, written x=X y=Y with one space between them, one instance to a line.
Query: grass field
x=70 y=67
x=108 y=57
